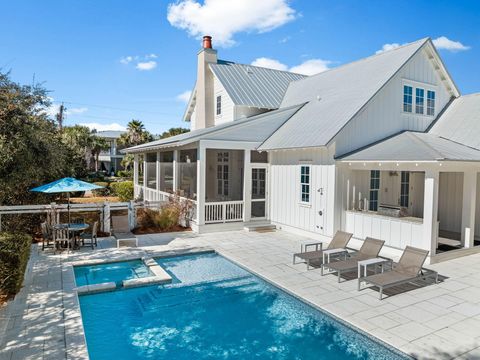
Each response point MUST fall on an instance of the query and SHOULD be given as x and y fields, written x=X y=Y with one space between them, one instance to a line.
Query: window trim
x=404 y=195
x=302 y=184
x=218 y=105
x=434 y=100
x=371 y=190
x=417 y=103
x=426 y=87
x=411 y=104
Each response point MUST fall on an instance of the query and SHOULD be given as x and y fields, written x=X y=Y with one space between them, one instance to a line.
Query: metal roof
x=336 y=96
x=252 y=85
x=110 y=134
x=414 y=146
x=461 y=121
x=253 y=129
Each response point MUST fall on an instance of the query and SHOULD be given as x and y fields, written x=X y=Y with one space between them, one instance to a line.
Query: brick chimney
x=205 y=98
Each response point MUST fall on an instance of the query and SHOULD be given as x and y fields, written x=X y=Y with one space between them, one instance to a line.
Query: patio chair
x=408 y=269
x=121 y=230
x=339 y=242
x=78 y=220
x=47 y=236
x=90 y=236
x=62 y=238
x=369 y=250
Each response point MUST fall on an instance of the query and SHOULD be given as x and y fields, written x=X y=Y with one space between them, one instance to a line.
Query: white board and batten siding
x=396 y=233
x=228 y=113
x=285 y=199
x=383 y=116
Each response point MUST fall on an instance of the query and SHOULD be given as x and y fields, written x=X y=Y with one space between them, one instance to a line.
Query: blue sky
x=111 y=61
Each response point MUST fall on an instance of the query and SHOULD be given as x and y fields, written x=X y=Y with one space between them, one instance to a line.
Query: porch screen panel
x=404 y=188
x=374 y=187
x=141 y=168
x=151 y=170
x=166 y=171
x=188 y=173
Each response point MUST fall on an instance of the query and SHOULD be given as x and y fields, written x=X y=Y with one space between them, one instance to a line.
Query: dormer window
x=419 y=100
x=219 y=105
x=407 y=98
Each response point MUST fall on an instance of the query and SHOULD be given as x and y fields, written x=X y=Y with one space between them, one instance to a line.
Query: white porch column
x=176 y=158
x=430 y=212
x=247 y=186
x=157 y=171
x=468 y=207
x=201 y=174
x=145 y=171
x=135 y=169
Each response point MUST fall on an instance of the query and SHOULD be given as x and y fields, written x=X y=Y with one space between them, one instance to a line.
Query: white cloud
x=75 y=111
x=388 y=47
x=441 y=43
x=185 y=96
x=308 y=67
x=126 y=60
x=143 y=62
x=104 y=127
x=445 y=43
x=223 y=19
x=311 y=67
x=147 y=65
x=269 y=63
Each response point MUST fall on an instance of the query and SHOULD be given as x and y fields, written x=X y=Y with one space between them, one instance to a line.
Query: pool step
x=160 y=276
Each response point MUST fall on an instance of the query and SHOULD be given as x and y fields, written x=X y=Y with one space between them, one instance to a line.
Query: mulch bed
x=155 y=230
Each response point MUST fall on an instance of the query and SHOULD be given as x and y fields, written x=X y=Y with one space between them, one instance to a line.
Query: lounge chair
x=91 y=237
x=408 y=269
x=339 y=241
x=121 y=230
x=369 y=250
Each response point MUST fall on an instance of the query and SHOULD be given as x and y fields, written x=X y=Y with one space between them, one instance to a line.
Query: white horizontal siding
x=384 y=115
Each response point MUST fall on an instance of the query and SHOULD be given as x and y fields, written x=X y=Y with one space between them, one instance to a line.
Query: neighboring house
x=383 y=147
x=110 y=160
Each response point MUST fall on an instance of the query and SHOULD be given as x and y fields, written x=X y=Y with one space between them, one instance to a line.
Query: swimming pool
x=216 y=310
x=110 y=272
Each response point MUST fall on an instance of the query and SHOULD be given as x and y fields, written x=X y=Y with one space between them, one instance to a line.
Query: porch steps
x=259 y=227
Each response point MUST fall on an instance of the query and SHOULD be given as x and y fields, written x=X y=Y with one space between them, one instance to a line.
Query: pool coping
x=75 y=340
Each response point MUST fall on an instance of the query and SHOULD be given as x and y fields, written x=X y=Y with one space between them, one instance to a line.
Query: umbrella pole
x=68 y=207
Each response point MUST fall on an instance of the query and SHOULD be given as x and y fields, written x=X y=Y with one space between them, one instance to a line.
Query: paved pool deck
x=439 y=321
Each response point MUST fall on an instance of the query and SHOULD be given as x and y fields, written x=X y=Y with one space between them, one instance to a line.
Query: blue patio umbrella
x=66 y=185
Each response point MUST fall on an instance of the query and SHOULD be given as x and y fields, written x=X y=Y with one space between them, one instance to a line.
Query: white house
x=384 y=147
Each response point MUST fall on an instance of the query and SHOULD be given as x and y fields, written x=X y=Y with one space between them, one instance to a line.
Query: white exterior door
x=259 y=190
x=319 y=197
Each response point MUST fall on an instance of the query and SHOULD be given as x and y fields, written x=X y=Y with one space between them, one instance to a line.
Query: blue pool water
x=110 y=272
x=216 y=310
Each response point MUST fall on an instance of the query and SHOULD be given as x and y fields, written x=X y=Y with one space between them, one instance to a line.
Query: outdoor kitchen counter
x=411 y=219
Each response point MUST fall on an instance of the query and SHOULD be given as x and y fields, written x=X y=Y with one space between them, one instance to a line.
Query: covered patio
x=423 y=193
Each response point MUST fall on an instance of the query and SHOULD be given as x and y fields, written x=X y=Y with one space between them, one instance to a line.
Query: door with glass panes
x=259 y=193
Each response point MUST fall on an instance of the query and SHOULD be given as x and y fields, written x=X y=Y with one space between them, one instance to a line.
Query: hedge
x=123 y=189
x=14 y=254
x=105 y=191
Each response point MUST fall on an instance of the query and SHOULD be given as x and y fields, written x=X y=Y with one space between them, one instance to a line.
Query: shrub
x=14 y=254
x=167 y=217
x=123 y=189
x=146 y=218
x=105 y=191
x=125 y=174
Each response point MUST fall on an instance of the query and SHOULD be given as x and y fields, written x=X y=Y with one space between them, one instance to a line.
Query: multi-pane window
x=407 y=98
x=219 y=105
x=305 y=183
x=374 y=187
x=430 y=102
x=223 y=173
x=404 y=188
x=419 y=100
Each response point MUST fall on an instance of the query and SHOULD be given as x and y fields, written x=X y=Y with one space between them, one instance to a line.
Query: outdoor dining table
x=75 y=228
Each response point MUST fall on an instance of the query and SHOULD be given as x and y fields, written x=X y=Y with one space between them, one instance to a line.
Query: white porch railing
x=225 y=211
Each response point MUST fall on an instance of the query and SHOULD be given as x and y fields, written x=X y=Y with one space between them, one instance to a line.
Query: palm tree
x=97 y=144
x=136 y=134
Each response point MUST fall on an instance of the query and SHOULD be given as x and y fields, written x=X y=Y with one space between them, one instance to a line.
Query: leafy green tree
x=78 y=142
x=135 y=135
x=173 y=132
x=31 y=148
x=97 y=145
x=127 y=161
